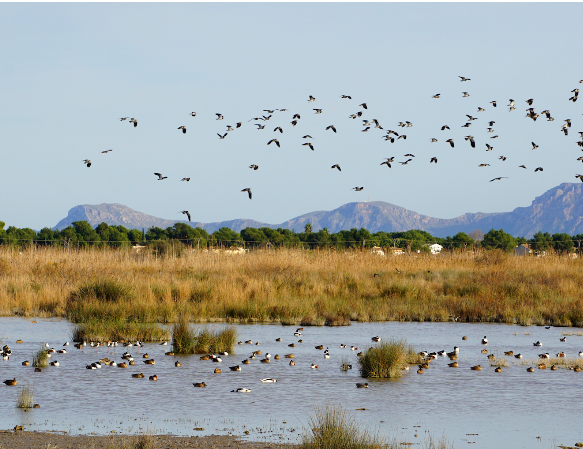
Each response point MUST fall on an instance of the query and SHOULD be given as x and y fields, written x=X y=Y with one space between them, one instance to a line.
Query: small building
x=397 y=251
x=435 y=248
x=522 y=250
x=377 y=250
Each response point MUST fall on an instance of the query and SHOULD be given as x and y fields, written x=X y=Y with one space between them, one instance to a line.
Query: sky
x=70 y=71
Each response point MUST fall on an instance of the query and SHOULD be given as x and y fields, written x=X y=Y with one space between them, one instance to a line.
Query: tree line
x=80 y=233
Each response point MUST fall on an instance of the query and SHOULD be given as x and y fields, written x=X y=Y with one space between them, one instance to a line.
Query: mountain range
x=560 y=209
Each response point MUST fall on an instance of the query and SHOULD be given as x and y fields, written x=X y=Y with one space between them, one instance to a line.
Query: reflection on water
x=509 y=409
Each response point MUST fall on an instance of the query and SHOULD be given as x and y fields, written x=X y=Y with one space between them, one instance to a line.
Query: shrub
x=388 y=359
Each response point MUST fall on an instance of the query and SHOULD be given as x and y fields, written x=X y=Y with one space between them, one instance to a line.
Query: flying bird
x=220 y=116
x=436 y=96
x=336 y=166
x=490 y=148
x=465 y=94
x=364 y=105
x=409 y=155
x=185 y=179
x=123 y=118
x=444 y=127
x=307 y=136
x=493 y=103
x=106 y=151
x=193 y=114
x=276 y=142
x=498 y=179
x=358 y=189
x=248 y=190
x=259 y=125
x=522 y=166
x=254 y=167
x=187 y=214
x=387 y=163
x=450 y=142
x=434 y=139
x=308 y=144
x=463 y=78
x=183 y=128
x=433 y=159
x=278 y=129
x=502 y=158
x=538 y=169
x=406 y=162
x=471 y=139
x=87 y=162
x=318 y=111
x=296 y=116
x=534 y=146
x=312 y=98
x=331 y=127
x=223 y=136
x=530 y=101
x=484 y=165
x=580 y=177
x=134 y=121
x=160 y=177
x=346 y=96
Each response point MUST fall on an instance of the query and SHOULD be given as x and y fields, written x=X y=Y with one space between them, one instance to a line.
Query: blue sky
x=71 y=70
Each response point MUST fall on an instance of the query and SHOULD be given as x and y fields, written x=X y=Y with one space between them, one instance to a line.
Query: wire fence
x=396 y=245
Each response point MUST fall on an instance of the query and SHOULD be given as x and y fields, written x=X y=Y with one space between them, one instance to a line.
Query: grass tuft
x=182 y=337
x=207 y=341
x=25 y=398
x=332 y=428
x=41 y=358
x=388 y=359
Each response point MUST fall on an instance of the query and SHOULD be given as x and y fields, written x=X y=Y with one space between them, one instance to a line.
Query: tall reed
x=209 y=341
x=25 y=398
x=182 y=337
x=41 y=358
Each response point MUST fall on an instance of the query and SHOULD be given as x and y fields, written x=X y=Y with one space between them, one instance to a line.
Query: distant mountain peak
x=560 y=209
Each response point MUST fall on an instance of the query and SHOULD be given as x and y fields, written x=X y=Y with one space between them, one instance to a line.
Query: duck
x=542 y=366
x=268 y=380
x=164 y=343
x=278 y=339
x=491 y=356
x=561 y=354
x=265 y=361
x=362 y=385
x=342 y=346
x=377 y=338
x=508 y=352
x=292 y=363
x=530 y=369
x=217 y=371
x=277 y=357
x=419 y=371
x=169 y=353
x=55 y=363
x=314 y=366
x=205 y=357
x=223 y=353
x=235 y=368
x=297 y=334
x=580 y=353
x=354 y=348
x=476 y=368
x=267 y=355
x=289 y=356
x=258 y=352
x=241 y=390
x=326 y=355
x=248 y=342
x=199 y=384
x=484 y=351
x=122 y=365
x=544 y=356
x=464 y=338
x=154 y=377
x=10 y=382
x=498 y=370
x=138 y=375
x=113 y=364
x=484 y=340
x=442 y=353
x=456 y=349
x=246 y=362
x=26 y=363
x=577 y=368
x=146 y=356
x=553 y=367
x=563 y=339
x=453 y=357
x=319 y=347
x=537 y=343
x=150 y=362
x=37 y=370
x=131 y=362
x=518 y=356
x=61 y=351
x=452 y=365
x=292 y=345
x=177 y=364
x=217 y=359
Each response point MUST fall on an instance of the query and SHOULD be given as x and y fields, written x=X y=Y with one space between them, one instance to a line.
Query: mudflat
x=44 y=440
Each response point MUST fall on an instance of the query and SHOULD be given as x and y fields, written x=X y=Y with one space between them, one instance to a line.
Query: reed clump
x=41 y=358
x=183 y=337
x=25 y=398
x=118 y=330
x=214 y=341
x=388 y=359
x=332 y=428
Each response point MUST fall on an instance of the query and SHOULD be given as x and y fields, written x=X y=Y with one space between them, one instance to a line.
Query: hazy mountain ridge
x=560 y=209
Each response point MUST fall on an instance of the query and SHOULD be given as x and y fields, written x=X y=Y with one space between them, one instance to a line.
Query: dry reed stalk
x=290 y=285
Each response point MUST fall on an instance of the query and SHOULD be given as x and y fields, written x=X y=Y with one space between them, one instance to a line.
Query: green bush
x=388 y=359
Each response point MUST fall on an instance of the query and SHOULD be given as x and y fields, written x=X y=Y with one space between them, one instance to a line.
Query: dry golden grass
x=290 y=286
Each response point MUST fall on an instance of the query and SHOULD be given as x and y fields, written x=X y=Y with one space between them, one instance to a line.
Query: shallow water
x=509 y=409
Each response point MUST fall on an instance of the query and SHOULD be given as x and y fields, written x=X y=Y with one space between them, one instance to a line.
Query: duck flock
x=134 y=355
x=275 y=122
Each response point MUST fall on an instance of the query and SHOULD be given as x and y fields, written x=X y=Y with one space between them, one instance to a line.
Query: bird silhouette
x=183 y=128
x=337 y=166
x=248 y=190
x=185 y=179
x=87 y=162
x=187 y=214
x=254 y=167
x=160 y=177
x=276 y=142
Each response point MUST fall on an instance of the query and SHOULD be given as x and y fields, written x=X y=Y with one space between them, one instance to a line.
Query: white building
x=435 y=248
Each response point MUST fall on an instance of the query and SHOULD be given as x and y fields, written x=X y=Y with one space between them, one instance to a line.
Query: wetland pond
x=513 y=408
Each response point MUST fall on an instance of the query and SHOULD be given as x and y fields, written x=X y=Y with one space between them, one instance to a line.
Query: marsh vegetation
x=388 y=359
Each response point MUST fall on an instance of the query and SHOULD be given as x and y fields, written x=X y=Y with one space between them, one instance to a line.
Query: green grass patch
x=182 y=337
x=387 y=359
x=209 y=341
x=41 y=358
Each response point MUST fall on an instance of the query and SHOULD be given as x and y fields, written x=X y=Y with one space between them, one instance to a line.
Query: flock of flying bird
x=390 y=136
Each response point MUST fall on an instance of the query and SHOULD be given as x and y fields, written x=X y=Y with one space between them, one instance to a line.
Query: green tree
x=135 y=236
x=253 y=236
x=308 y=228
x=498 y=239
x=227 y=237
x=85 y=232
x=461 y=239
x=563 y=242
x=541 y=242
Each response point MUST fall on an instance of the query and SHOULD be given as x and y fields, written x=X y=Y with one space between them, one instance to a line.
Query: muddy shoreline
x=43 y=440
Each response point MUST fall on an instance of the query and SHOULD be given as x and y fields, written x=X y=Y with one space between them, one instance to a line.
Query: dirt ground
x=43 y=440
